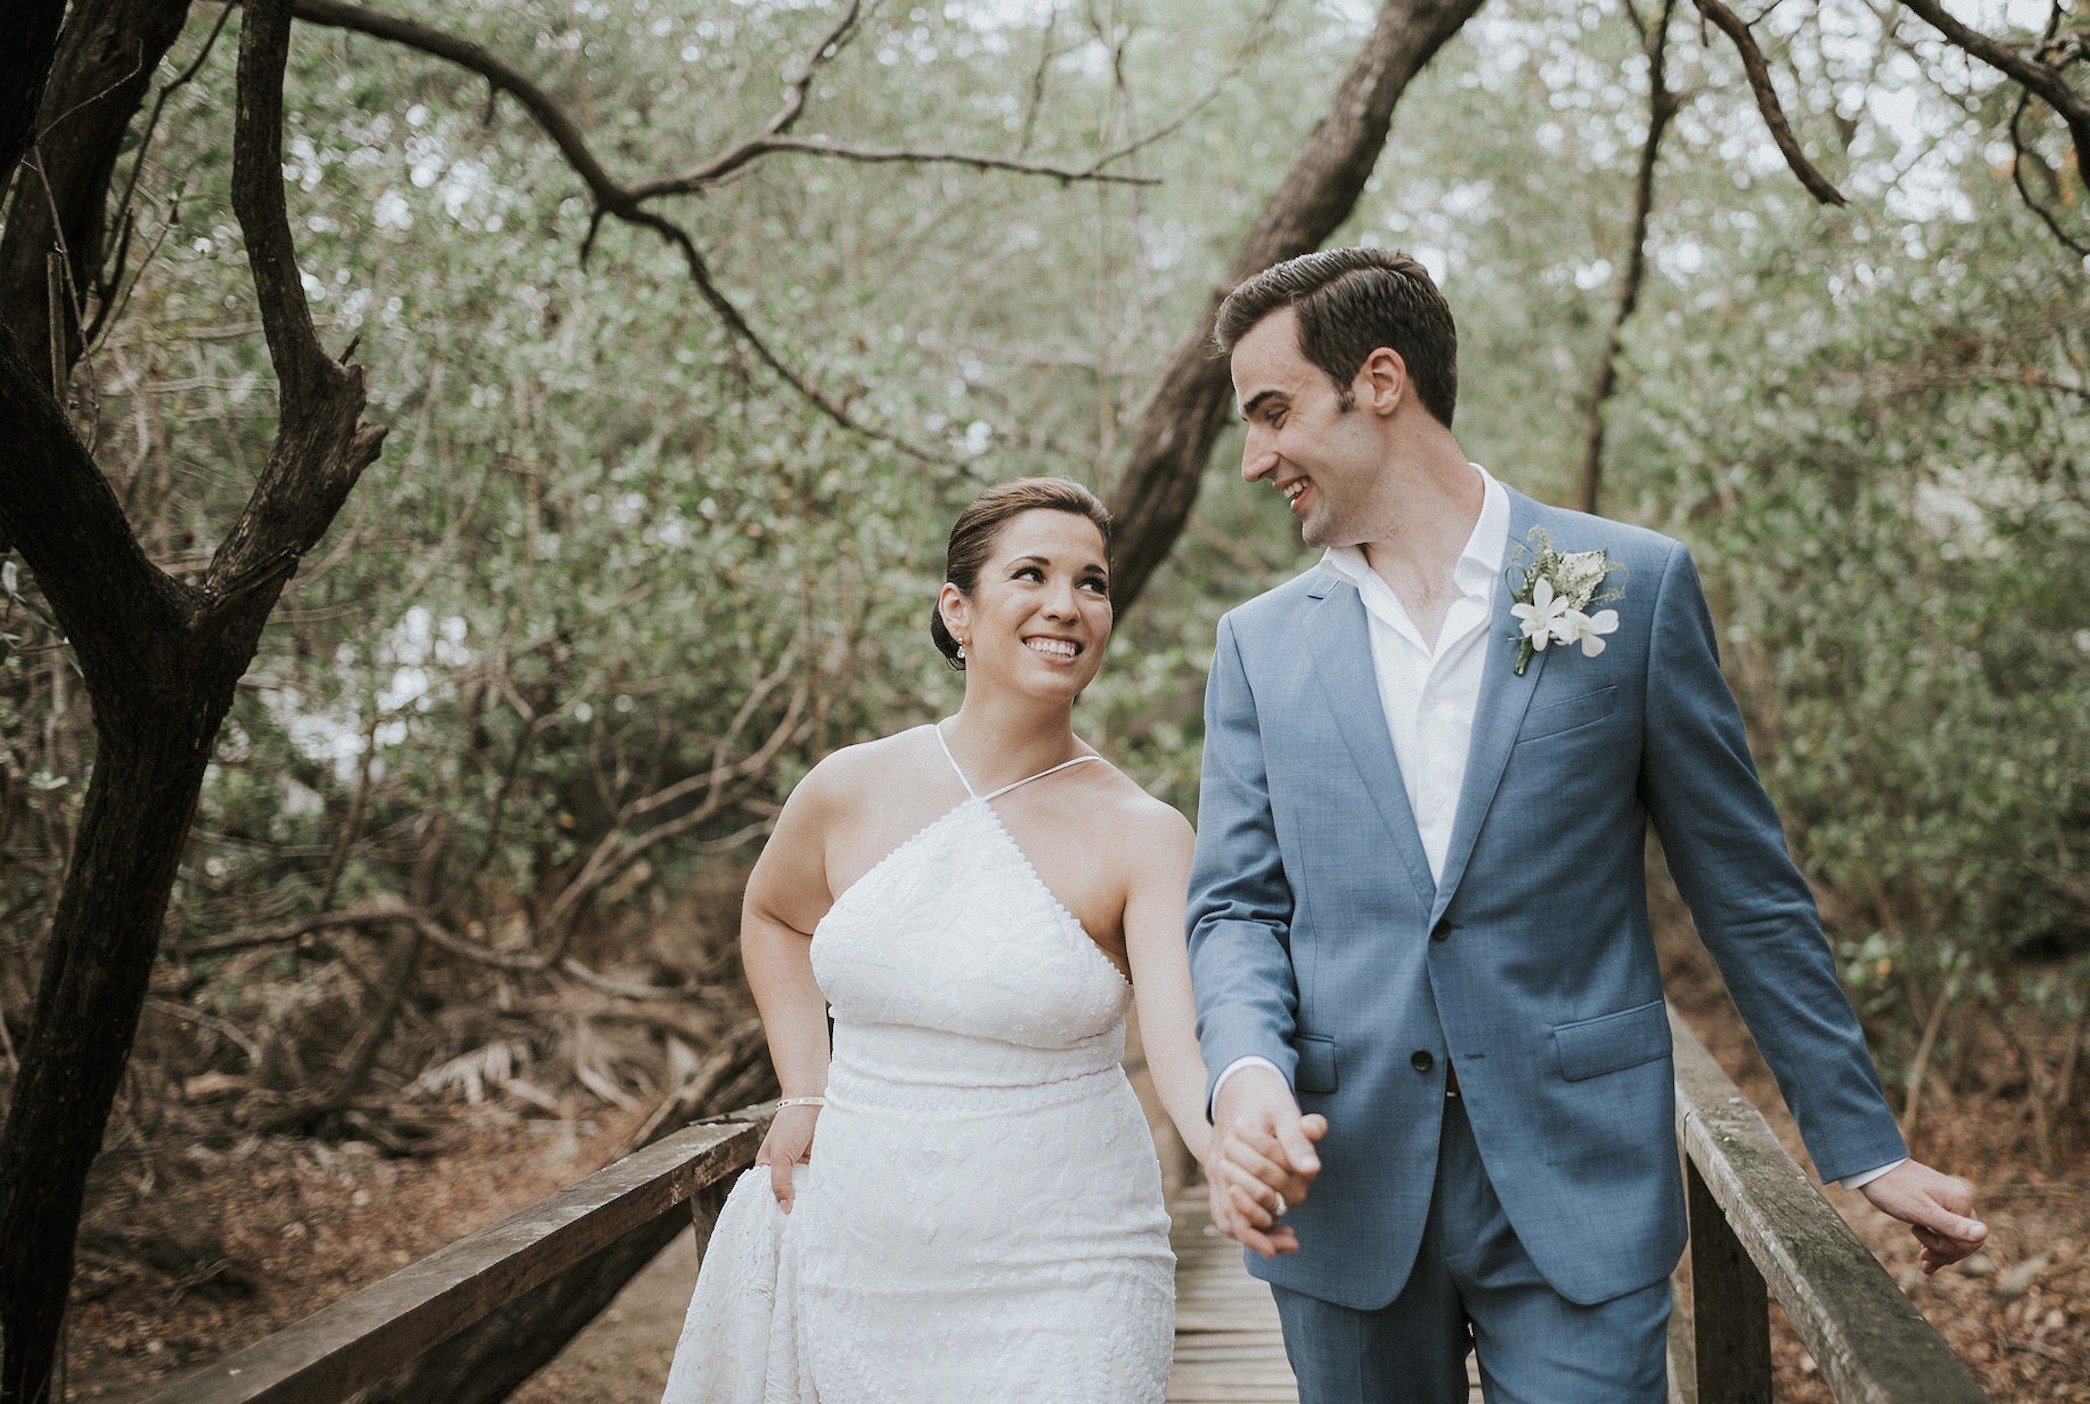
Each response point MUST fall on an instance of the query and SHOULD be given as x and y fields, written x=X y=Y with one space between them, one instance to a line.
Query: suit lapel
x=1504 y=697
x=1339 y=639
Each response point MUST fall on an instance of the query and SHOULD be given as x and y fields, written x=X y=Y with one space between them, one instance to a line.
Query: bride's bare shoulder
x=1137 y=817
x=863 y=769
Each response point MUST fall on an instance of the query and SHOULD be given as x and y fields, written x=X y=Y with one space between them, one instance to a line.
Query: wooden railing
x=1759 y=1229
x=362 y=1340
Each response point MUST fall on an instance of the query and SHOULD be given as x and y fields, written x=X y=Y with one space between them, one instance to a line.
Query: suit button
x=1442 y=930
x=1422 y=1060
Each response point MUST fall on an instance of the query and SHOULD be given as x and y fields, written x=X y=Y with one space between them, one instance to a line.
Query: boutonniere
x=1554 y=599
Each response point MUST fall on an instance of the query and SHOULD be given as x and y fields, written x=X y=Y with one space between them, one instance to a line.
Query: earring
x=961 y=652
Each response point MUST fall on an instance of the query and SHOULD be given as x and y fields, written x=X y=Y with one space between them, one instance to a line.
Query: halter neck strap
x=964 y=780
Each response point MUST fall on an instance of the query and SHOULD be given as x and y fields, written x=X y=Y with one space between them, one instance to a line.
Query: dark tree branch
x=159 y=106
x=611 y=198
x=774 y=138
x=626 y=202
x=108 y=286
x=1730 y=24
x=2045 y=80
x=1662 y=106
x=303 y=368
x=114 y=605
x=2022 y=156
x=320 y=449
x=724 y=309
x=712 y=172
x=501 y=76
x=785 y=117
x=99 y=73
x=23 y=73
x=822 y=53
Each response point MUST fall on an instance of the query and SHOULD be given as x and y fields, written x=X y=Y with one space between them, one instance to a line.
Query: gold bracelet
x=801 y=1102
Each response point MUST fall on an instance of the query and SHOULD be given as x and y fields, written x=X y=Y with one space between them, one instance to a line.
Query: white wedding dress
x=982 y=1218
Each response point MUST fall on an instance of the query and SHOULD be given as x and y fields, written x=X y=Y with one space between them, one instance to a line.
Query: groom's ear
x=1382 y=381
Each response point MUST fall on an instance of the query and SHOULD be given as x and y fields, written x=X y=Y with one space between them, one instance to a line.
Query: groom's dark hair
x=1350 y=303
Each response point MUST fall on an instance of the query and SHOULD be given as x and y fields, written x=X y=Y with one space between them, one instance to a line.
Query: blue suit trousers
x=1474 y=1288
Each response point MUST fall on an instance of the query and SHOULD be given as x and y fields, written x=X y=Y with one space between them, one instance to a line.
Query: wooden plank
x=1229 y=1343
x=1871 y=1343
x=363 y=1338
x=1229 y=1346
x=485 y=1363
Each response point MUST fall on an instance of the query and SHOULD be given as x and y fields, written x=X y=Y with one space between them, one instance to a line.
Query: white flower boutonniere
x=1553 y=602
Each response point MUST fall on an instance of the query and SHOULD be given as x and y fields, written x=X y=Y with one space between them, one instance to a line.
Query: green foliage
x=605 y=552
x=1886 y=491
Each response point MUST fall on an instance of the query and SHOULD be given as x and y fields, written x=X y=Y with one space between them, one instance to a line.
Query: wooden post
x=1757 y=1224
x=706 y=1204
x=1730 y=1307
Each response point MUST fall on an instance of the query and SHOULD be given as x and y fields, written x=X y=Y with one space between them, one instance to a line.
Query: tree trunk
x=23 y=71
x=97 y=966
x=1190 y=406
x=161 y=669
x=160 y=659
x=105 y=60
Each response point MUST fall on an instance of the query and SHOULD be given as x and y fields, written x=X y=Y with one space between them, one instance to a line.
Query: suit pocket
x=1316 y=1063
x=1552 y=718
x=1611 y=1042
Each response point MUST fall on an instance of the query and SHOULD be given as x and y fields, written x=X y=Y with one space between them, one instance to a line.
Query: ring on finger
x=1282 y=1207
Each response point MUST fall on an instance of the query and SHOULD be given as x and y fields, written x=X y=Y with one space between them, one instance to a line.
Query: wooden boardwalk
x=1227 y=1343
x=457 y=1309
x=1228 y=1346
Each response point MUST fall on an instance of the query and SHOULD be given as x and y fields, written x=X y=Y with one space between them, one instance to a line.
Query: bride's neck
x=1002 y=739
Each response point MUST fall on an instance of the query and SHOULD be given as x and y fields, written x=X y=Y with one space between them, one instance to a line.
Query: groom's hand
x=1262 y=1159
x=1938 y=1208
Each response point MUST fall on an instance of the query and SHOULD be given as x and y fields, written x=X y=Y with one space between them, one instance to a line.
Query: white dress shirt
x=1429 y=691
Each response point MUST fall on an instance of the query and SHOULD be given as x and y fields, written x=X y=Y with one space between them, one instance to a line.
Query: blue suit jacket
x=1312 y=911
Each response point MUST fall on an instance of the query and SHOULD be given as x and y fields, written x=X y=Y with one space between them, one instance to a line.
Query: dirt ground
x=216 y=1248
x=211 y=1248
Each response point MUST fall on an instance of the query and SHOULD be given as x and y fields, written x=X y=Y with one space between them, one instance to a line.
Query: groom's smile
x=1322 y=454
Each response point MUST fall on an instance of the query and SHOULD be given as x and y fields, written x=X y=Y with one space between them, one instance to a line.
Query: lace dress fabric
x=982 y=1218
x=739 y=1342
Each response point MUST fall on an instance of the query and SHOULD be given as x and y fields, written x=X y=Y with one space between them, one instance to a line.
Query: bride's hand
x=789 y=1143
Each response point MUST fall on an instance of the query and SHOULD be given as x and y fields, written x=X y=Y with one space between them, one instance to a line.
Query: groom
x=1426 y=983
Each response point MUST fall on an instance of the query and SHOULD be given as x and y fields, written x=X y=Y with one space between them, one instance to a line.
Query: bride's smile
x=945 y=933
x=1040 y=610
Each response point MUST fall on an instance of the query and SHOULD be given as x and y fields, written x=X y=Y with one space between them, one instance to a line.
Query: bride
x=971 y=1204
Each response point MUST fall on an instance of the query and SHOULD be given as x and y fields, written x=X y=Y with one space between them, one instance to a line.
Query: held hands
x=1937 y=1207
x=789 y=1143
x=1261 y=1161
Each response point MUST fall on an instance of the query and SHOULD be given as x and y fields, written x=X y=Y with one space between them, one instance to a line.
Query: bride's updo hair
x=972 y=536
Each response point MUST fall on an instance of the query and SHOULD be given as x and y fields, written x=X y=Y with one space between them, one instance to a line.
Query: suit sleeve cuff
x=1253 y=1060
x=1849 y=1182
